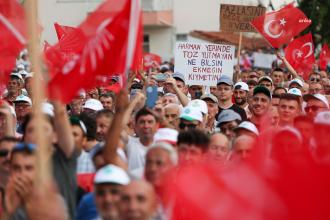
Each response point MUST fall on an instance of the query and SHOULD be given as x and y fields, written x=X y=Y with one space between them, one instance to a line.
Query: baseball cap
x=211 y=97
x=242 y=86
x=297 y=81
x=228 y=115
x=295 y=91
x=323 y=118
x=111 y=174
x=178 y=76
x=319 y=97
x=265 y=78
x=289 y=129
x=166 y=135
x=23 y=98
x=191 y=114
x=263 y=90
x=16 y=75
x=200 y=105
x=246 y=125
x=93 y=104
x=226 y=80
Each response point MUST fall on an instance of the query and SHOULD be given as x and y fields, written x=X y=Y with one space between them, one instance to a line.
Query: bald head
x=138 y=201
x=219 y=147
x=242 y=146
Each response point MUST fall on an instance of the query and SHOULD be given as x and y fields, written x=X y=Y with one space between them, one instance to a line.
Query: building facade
x=165 y=21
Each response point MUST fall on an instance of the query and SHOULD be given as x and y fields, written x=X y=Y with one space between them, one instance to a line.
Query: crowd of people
x=112 y=157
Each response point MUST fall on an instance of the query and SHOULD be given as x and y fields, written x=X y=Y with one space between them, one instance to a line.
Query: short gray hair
x=167 y=147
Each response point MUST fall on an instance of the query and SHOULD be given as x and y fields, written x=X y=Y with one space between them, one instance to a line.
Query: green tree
x=319 y=12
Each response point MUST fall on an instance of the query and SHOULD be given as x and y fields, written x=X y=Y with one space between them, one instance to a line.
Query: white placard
x=203 y=63
x=263 y=60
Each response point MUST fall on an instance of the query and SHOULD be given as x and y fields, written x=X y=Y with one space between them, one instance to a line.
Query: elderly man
x=218 y=148
x=172 y=114
x=315 y=103
x=242 y=147
x=23 y=107
x=212 y=108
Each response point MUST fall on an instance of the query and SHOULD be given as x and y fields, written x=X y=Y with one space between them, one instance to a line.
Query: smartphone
x=152 y=96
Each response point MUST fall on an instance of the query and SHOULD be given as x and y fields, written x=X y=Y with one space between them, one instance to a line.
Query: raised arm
x=182 y=97
x=110 y=154
x=287 y=64
x=63 y=129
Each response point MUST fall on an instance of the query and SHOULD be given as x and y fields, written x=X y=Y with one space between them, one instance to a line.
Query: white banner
x=263 y=60
x=203 y=63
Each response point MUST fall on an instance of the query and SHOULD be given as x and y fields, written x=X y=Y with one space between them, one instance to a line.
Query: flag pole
x=239 y=48
x=38 y=94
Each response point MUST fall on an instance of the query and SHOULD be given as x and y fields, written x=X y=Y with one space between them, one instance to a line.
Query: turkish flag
x=281 y=26
x=104 y=52
x=150 y=59
x=324 y=57
x=300 y=54
x=12 y=37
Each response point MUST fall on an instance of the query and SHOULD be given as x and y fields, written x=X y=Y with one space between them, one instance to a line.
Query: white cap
x=23 y=72
x=93 y=104
x=167 y=135
x=29 y=75
x=48 y=109
x=295 y=91
x=17 y=75
x=265 y=78
x=23 y=98
x=322 y=118
x=248 y=126
x=319 y=97
x=111 y=174
x=298 y=81
x=242 y=86
x=200 y=105
x=291 y=130
x=190 y=114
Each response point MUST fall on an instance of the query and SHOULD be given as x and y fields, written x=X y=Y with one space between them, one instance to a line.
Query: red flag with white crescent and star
x=300 y=54
x=281 y=26
x=324 y=57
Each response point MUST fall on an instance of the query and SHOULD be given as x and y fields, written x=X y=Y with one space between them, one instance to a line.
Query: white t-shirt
x=136 y=153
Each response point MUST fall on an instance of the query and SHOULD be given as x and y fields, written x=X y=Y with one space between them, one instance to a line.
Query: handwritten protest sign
x=236 y=18
x=203 y=64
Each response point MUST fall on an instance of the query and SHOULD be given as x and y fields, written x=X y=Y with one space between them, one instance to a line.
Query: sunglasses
x=312 y=108
x=24 y=146
x=314 y=79
x=4 y=153
x=189 y=126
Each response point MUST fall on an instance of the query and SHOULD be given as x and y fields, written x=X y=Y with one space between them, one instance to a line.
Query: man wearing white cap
x=296 y=83
x=23 y=107
x=201 y=106
x=92 y=106
x=109 y=182
x=241 y=92
x=267 y=82
x=289 y=108
x=315 y=103
x=246 y=128
x=190 y=118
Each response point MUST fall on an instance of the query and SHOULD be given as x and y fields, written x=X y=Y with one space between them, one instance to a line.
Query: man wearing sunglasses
x=190 y=118
x=316 y=103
